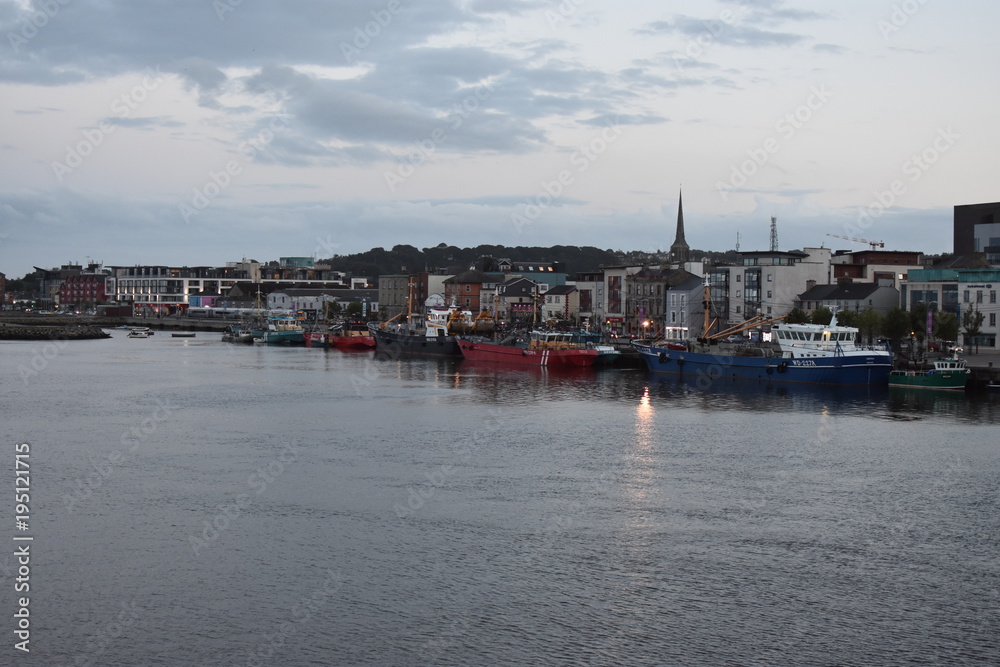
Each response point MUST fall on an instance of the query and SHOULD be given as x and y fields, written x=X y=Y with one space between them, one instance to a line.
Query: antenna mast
x=774 y=234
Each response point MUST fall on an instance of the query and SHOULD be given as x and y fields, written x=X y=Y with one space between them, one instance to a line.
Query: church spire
x=680 y=252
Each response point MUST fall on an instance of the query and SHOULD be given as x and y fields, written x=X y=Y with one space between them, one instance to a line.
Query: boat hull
x=858 y=370
x=352 y=341
x=283 y=337
x=951 y=381
x=316 y=339
x=508 y=354
x=397 y=343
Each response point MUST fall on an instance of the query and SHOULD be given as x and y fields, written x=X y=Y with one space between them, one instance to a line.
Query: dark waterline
x=195 y=502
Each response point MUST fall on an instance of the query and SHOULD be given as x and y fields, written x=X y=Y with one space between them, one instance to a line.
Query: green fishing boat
x=946 y=374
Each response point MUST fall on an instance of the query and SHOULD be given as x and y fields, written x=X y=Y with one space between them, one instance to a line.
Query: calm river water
x=194 y=502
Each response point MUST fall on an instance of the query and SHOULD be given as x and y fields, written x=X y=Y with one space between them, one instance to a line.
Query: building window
x=769 y=291
x=965 y=296
x=738 y=293
x=770 y=278
x=738 y=277
x=979 y=296
x=673 y=316
x=993 y=319
x=993 y=296
x=769 y=310
x=737 y=310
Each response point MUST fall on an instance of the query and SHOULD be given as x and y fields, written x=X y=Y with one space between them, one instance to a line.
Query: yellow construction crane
x=873 y=244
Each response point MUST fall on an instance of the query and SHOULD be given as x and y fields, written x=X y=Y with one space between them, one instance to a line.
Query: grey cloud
x=829 y=48
x=143 y=122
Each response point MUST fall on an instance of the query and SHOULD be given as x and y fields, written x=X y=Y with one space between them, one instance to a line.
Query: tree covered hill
x=409 y=259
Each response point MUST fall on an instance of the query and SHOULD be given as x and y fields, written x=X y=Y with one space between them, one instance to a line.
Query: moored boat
x=281 y=329
x=543 y=348
x=416 y=335
x=139 y=333
x=814 y=353
x=317 y=339
x=946 y=374
x=403 y=339
x=351 y=334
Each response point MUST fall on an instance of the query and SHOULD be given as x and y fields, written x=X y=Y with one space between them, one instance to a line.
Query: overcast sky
x=193 y=132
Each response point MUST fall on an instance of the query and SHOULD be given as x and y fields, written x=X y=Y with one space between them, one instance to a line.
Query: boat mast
x=707 y=303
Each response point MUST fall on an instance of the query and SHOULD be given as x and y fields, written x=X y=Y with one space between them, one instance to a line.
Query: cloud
x=143 y=122
x=728 y=34
x=829 y=48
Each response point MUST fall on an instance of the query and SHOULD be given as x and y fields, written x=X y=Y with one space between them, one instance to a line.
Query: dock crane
x=873 y=244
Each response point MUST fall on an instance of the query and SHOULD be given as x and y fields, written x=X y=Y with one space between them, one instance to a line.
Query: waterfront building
x=166 y=290
x=685 y=309
x=86 y=289
x=590 y=288
x=976 y=229
x=50 y=282
x=516 y=299
x=561 y=302
x=765 y=283
x=885 y=268
x=849 y=296
x=958 y=291
x=616 y=307
x=468 y=288
x=312 y=303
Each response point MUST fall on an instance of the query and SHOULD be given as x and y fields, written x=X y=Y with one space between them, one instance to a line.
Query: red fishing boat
x=544 y=348
x=351 y=334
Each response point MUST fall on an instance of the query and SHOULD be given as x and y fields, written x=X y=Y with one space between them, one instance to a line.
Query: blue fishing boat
x=814 y=353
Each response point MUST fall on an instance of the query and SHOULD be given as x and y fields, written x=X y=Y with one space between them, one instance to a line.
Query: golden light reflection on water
x=644 y=421
x=639 y=476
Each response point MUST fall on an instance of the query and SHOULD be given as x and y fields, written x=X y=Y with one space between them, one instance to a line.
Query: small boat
x=235 y=333
x=316 y=339
x=993 y=387
x=182 y=335
x=139 y=333
x=281 y=329
x=946 y=374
